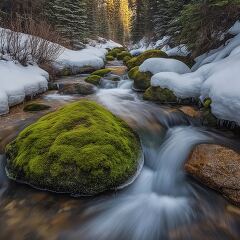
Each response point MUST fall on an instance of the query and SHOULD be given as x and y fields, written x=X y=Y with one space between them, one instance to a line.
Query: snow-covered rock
x=89 y=57
x=157 y=65
x=17 y=82
x=182 y=85
x=235 y=29
x=180 y=50
x=218 y=80
x=103 y=43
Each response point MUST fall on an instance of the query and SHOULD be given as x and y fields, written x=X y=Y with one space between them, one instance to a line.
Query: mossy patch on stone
x=102 y=72
x=141 y=80
x=126 y=59
x=110 y=58
x=35 y=107
x=114 y=52
x=158 y=94
x=122 y=55
x=207 y=103
x=93 y=79
x=137 y=61
x=80 y=149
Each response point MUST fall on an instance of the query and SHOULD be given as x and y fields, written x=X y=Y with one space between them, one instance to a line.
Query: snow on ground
x=103 y=43
x=157 y=65
x=162 y=44
x=216 y=75
x=17 y=82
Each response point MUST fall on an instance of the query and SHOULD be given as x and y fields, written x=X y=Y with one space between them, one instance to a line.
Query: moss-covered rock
x=110 y=58
x=93 y=79
x=35 y=107
x=102 y=72
x=137 y=61
x=158 y=94
x=80 y=149
x=126 y=59
x=122 y=55
x=141 y=80
x=207 y=103
x=114 y=52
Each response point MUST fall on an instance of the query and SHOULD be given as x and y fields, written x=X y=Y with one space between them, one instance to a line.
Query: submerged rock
x=35 y=107
x=218 y=167
x=80 y=149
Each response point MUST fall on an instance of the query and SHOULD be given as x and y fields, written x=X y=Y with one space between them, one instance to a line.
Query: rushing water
x=163 y=203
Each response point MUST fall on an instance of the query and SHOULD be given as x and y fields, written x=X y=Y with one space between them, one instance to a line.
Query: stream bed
x=163 y=203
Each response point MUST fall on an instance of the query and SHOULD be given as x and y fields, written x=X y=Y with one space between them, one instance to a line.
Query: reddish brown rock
x=217 y=167
x=190 y=111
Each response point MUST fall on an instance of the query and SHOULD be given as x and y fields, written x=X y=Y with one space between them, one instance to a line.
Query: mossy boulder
x=122 y=55
x=93 y=79
x=110 y=58
x=80 y=149
x=114 y=52
x=141 y=79
x=158 y=94
x=207 y=103
x=126 y=59
x=137 y=61
x=35 y=107
x=102 y=72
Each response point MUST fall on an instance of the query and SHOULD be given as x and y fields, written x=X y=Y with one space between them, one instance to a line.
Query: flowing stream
x=163 y=203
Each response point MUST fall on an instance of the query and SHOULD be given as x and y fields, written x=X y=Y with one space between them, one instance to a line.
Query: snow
x=183 y=86
x=157 y=65
x=180 y=50
x=235 y=29
x=17 y=82
x=89 y=57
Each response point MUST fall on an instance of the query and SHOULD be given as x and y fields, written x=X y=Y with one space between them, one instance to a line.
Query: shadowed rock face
x=217 y=167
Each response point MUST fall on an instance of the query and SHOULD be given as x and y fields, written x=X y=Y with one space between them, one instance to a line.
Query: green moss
x=114 y=52
x=79 y=149
x=102 y=72
x=93 y=79
x=207 y=103
x=122 y=55
x=126 y=59
x=109 y=58
x=158 y=94
x=137 y=61
x=141 y=80
x=35 y=107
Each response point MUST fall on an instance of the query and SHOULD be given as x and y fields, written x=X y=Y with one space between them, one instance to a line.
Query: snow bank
x=157 y=65
x=180 y=50
x=17 y=82
x=89 y=57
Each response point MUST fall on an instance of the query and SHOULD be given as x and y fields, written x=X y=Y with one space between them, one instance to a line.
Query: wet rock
x=190 y=111
x=83 y=88
x=218 y=167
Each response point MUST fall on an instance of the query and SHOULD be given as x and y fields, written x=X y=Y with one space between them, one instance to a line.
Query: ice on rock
x=157 y=65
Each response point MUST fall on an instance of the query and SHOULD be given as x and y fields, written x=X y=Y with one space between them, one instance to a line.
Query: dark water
x=163 y=203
